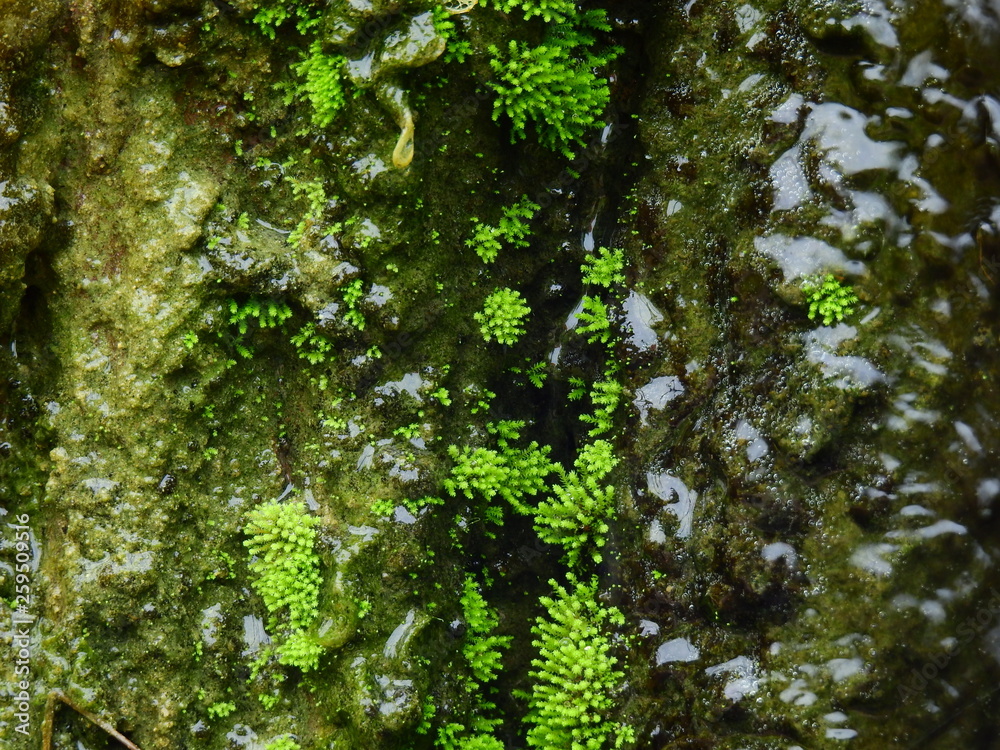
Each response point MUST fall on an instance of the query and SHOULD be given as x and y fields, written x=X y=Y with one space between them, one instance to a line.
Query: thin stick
x=93 y=718
x=982 y=265
x=50 y=709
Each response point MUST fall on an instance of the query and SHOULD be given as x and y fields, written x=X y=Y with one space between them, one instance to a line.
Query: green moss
x=604 y=268
x=502 y=316
x=829 y=298
x=594 y=322
x=509 y=472
x=577 y=513
x=321 y=83
x=536 y=373
x=271 y=15
x=574 y=675
x=300 y=650
x=313 y=346
x=220 y=710
x=605 y=395
x=285 y=742
x=316 y=199
x=483 y=650
x=553 y=86
x=353 y=294
x=282 y=538
x=487 y=240
x=558 y=11
x=265 y=313
x=456 y=50
x=476 y=736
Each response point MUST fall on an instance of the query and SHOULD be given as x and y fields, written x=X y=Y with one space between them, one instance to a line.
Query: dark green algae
x=137 y=457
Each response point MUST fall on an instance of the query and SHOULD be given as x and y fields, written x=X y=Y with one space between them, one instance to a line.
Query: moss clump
x=513 y=229
x=576 y=515
x=483 y=654
x=502 y=316
x=510 y=472
x=312 y=346
x=483 y=650
x=558 y=11
x=286 y=566
x=320 y=83
x=267 y=313
x=605 y=395
x=554 y=86
x=270 y=15
x=604 y=268
x=829 y=298
x=574 y=675
x=285 y=742
x=594 y=321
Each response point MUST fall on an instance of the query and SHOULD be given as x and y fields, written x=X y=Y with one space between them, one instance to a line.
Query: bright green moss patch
x=483 y=650
x=487 y=240
x=265 y=313
x=313 y=346
x=271 y=15
x=594 y=321
x=512 y=473
x=483 y=654
x=604 y=268
x=558 y=11
x=456 y=50
x=502 y=316
x=281 y=542
x=576 y=514
x=476 y=736
x=553 y=86
x=829 y=298
x=320 y=82
x=605 y=395
x=220 y=710
x=353 y=294
x=285 y=742
x=574 y=675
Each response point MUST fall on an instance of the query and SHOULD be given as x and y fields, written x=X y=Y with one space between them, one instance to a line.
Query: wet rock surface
x=804 y=534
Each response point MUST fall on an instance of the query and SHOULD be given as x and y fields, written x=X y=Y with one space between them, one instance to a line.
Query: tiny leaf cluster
x=829 y=298
x=483 y=653
x=313 y=346
x=266 y=313
x=594 y=321
x=574 y=675
x=576 y=514
x=483 y=650
x=509 y=472
x=353 y=294
x=320 y=82
x=284 y=742
x=487 y=240
x=270 y=15
x=281 y=541
x=553 y=85
x=558 y=11
x=604 y=268
x=320 y=76
x=605 y=395
x=502 y=316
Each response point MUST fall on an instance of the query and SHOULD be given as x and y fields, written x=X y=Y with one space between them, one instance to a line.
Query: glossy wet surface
x=805 y=540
